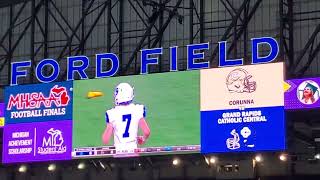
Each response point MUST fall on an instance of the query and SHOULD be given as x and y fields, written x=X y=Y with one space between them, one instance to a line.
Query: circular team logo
x=308 y=92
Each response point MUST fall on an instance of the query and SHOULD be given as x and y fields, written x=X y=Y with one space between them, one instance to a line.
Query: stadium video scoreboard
x=66 y=120
x=217 y=110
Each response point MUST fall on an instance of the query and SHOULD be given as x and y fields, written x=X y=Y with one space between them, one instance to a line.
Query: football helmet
x=123 y=93
x=239 y=81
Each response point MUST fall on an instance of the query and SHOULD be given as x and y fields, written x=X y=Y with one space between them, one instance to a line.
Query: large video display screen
x=145 y=114
x=302 y=93
x=118 y=117
x=242 y=108
x=38 y=122
x=217 y=110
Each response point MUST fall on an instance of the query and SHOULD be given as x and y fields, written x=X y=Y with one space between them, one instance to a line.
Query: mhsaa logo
x=58 y=96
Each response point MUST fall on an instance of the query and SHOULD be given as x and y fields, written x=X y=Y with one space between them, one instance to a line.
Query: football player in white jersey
x=124 y=120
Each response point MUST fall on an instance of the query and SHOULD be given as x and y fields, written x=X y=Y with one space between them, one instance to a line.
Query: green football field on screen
x=171 y=99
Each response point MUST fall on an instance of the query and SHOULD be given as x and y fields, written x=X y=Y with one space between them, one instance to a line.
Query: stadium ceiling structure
x=154 y=17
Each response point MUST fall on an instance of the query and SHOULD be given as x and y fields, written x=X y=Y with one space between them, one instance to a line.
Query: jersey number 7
x=127 y=118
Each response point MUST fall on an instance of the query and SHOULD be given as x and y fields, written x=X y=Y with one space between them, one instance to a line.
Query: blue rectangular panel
x=252 y=129
x=38 y=102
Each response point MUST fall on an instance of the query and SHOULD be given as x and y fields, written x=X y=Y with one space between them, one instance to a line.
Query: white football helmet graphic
x=123 y=93
x=238 y=81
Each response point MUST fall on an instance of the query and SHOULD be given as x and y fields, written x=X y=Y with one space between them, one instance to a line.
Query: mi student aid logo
x=36 y=104
x=52 y=143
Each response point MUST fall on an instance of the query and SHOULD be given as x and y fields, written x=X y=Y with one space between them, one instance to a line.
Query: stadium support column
x=9 y=57
x=191 y=5
x=291 y=28
x=32 y=31
x=184 y=171
x=287 y=54
x=160 y=41
x=245 y=37
x=109 y=16
x=120 y=34
x=83 y=28
x=201 y=21
x=286 y=33
x=109 y=8
x=120 y=173
x=196 y=21
x=46 y=32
